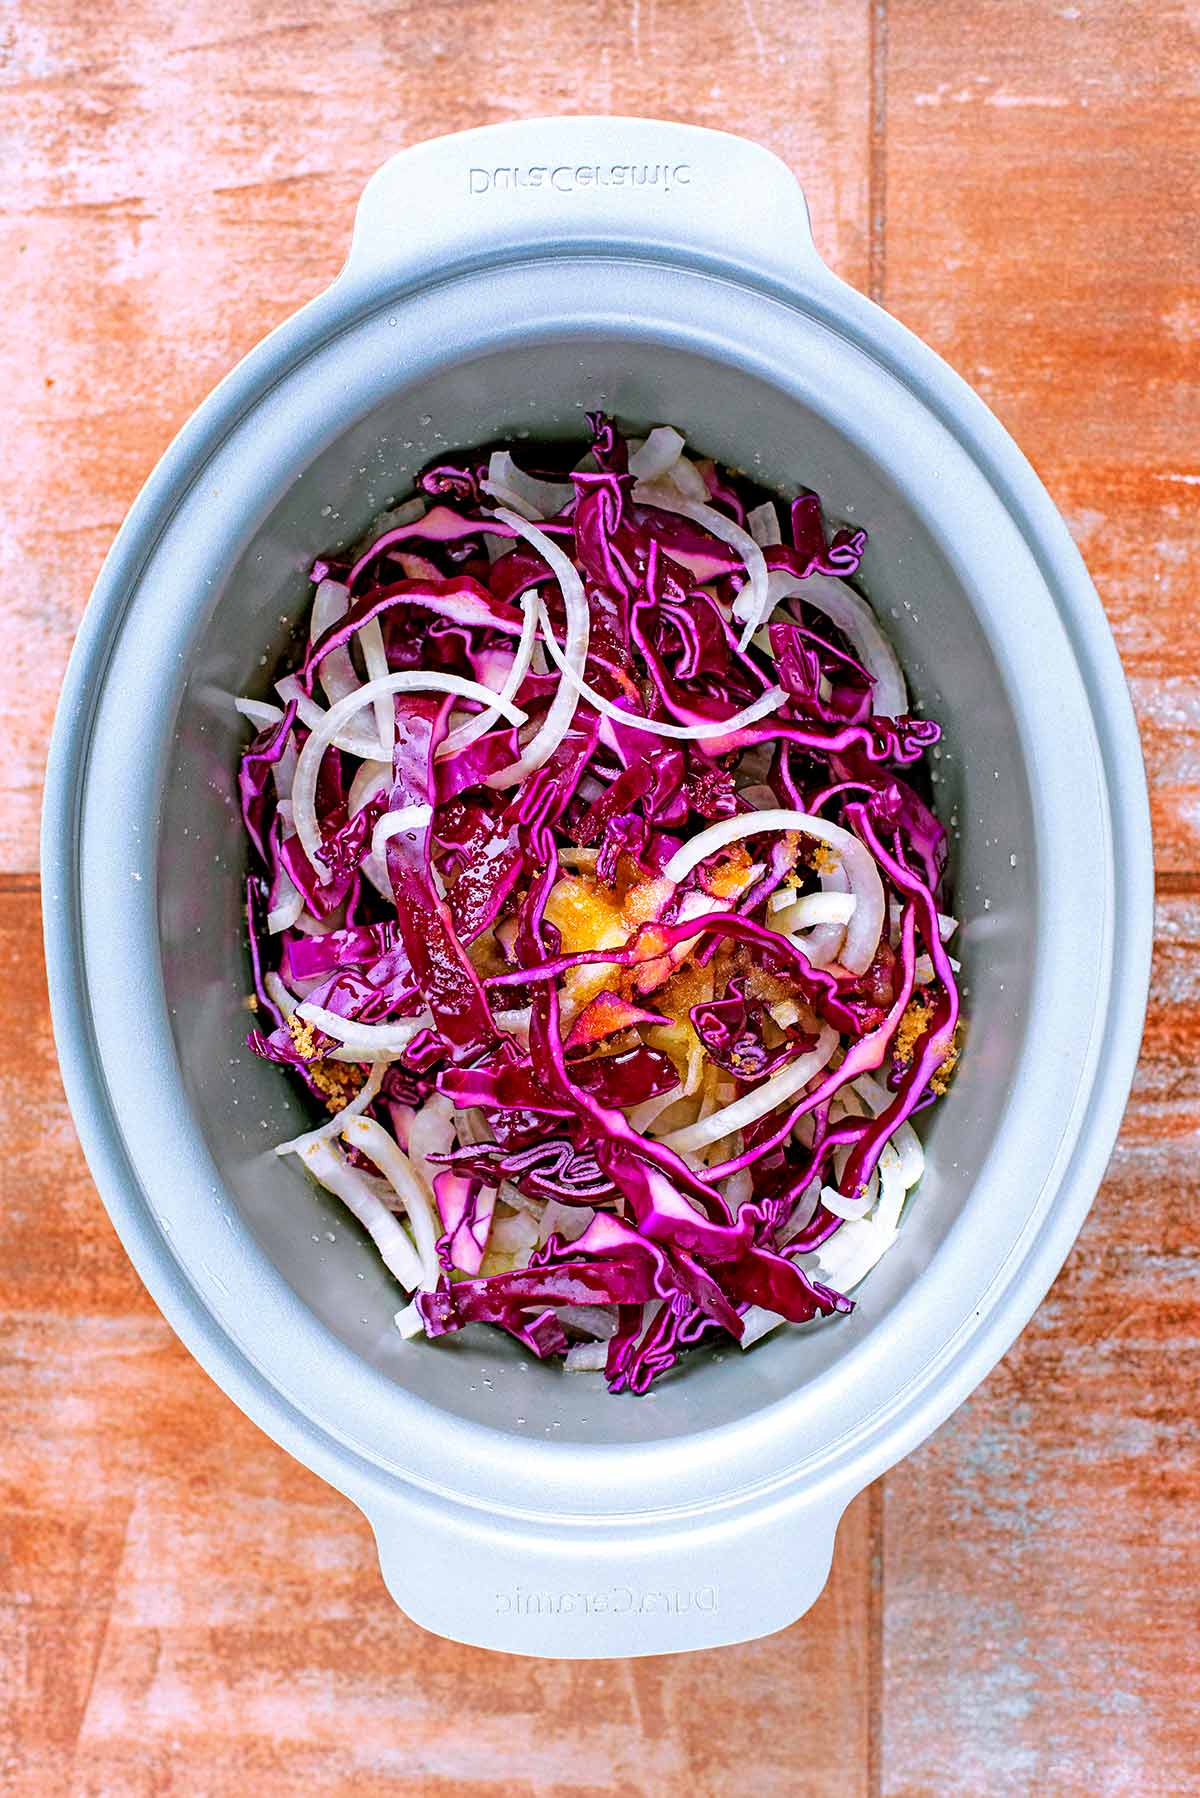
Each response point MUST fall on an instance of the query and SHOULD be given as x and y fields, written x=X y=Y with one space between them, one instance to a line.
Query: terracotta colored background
x=183 y=1610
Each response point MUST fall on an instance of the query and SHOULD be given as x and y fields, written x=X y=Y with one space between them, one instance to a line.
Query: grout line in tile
x=877 y=161
x=875 y=1643
x=877 y=282
x=1175 y=882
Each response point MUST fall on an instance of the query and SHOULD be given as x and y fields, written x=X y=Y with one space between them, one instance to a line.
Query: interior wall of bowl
x=245 y=1105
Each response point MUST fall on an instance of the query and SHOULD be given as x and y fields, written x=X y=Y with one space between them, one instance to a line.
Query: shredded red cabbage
x=632 y=1051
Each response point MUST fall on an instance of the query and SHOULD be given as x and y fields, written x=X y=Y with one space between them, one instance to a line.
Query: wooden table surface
x=1015 y=1608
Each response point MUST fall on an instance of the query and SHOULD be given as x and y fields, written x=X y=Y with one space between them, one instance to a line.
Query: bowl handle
x=542 y=183
x=580 y=1592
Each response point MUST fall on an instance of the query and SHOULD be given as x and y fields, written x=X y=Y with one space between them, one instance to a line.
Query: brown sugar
x=917 y=1017
x=336 y=1081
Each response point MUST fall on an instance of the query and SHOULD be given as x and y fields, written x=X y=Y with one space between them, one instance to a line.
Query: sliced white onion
x=289 y=902
x=904 y=1138
x=466 y=733
x=278 y=993
x=331 y=602
x=798 y=913
x=516 y=1023
x=857 y=623
x=695 y=1069
x=865 y=926
x=395 y=824
x=376 y=664
x=533 y=498
x=753 y=602
x=597 y=1320
x=657 y=455
x=737 y=1189
x=584 y=859
x=394 y=1165
x=307 y=925
x=770 y=701
x=371 y=1039
x=762 y=1099
x=689 y=480
x=822 y=943
x=284 y=772
x=409 y=1322
x=382 y=1191
x=843 y=1207
x=893 y=1189
x=406 y=512
x=758 y=1322
x=507 y=496
x=507 y=1194
x=259 y=711
x=803 y=1210
x=432 y=1133
x=355 y=739
x=369 y=781
x=709 y=1095
x=641 y=1116
x=848 y=1256
x=366 y=1094
x=862 y=1204
x=682 y=480
x=557 y=721
x=327 y=1164
x=763 y=524
x=335 y=671
x=472 y=1127
x=512 y=1235
x=567 y=1221
x=330 y=605
x=586 y=1357
x=333 y=722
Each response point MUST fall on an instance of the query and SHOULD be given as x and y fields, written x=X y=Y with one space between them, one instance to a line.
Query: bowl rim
x=960 y=411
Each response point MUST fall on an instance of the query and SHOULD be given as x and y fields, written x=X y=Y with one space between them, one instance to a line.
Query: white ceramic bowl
x=499 y=282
